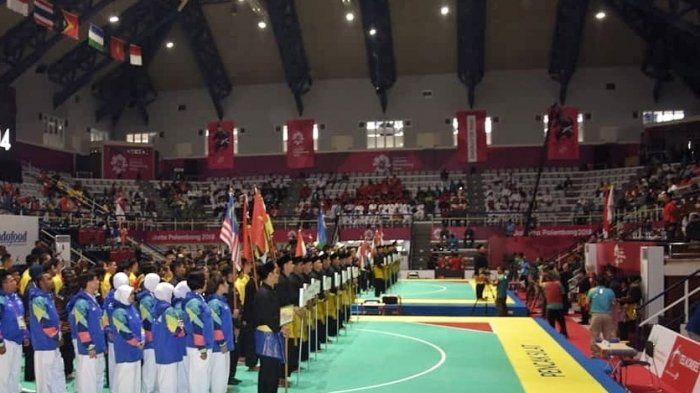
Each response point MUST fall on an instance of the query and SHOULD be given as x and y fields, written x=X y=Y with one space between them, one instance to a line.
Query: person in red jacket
x=670 y=216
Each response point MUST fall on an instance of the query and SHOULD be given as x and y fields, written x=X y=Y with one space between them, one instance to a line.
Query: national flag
x=301 y=246
x=96 y=38
x=72 y=26
x=363 y=253
x=19 y=6
x=229 y=232
x=378 y=237
x=245 y=232
x=135 y=55
x=608 y=210
x=321 y=236
x=259 y=219
x=43 y=13
x=116 y=49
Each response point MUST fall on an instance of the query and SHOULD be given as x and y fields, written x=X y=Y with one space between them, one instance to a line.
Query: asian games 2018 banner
x=676 y=360
x=220 y=144
x=562 y=143
x=471 y=136
x=127 y=162
x=300 y=143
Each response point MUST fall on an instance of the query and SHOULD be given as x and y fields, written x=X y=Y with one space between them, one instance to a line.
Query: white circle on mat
x=443 y=357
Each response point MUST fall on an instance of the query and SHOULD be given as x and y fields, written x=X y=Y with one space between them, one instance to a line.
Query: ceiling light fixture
x=262 y=25
x=372 y=31
x=444 y=10
x=113 y=19
x=169 y=44
x=349 y=17
x=600 y=15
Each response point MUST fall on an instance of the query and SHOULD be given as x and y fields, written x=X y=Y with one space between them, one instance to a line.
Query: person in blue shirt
x=223 y=332
x=501 y=283
x=45 y=332
x=179 y=294
x=147 y=304
x=199 y=327
x=601 y=300
x=85 y=318
x=127 y=332
x=693 y=327
x=168 y=328
x=13 y=332
x=116 y=281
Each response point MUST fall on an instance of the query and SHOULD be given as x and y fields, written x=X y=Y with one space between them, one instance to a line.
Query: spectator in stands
x=510 y=228
x=468 y=239
x=602 y=300
x=670 y=216
x=452 y=243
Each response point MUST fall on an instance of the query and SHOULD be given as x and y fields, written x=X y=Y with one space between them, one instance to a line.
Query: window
x=387 y=134
x=285 y=137
x=98 y=135
x=140 y=137
x=650 y=117
x=488 y=127
x=579 y=119
x=235 y=142
x=54 y=130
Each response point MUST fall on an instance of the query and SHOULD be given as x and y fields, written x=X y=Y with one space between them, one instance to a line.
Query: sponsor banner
x=471 y=136
x=562 y=143
x=676 y=359
x=18 y=235
x=380 y=162
x=300 y=143
x=127 y=162
x=626 y=256
x=220 y=145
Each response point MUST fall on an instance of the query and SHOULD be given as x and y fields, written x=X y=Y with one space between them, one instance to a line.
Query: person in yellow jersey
x=106 y=285
x=25 y=279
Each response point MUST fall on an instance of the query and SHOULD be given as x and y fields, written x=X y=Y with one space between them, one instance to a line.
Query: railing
x=74 y=251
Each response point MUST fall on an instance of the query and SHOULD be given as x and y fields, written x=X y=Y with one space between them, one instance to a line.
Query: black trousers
x=234 y=356
x=269 y=375
x=379 y=286
x=248 y=347
x=332 y=327
x=321 y=335
x=557 y=316
x=305 y=349
x=480 y=290
x=501 y=307
x=29 y=363
x=293 y=357
x=68 y=355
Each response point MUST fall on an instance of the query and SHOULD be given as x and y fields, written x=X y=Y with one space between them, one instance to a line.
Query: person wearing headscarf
x=168 y=328
x=128 y=342
x=269 y=341
x=13 y=332
x=45 y=330
x=179 y=294
x=85 y=318
x=117 y=281
x=147 y=303
x=199 y=328
x=217 y=287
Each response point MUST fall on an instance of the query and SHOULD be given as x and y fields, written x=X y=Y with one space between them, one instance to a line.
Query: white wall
x=516 y=97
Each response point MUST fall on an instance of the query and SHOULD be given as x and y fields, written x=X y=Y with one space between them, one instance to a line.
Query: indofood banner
x=18 y=235
x=676 y=360
x=127 y=162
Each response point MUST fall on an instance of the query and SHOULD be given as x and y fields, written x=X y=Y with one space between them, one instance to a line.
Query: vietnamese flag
x=72 y=26
x=116 y=49
x=259 y=218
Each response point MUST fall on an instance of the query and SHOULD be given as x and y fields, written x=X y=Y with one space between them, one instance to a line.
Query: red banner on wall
x=220 y=144
x=300 y=143
x=182 y=237
x=127 y=162
x=562 y=137
x=471 y=136
x=626 y=256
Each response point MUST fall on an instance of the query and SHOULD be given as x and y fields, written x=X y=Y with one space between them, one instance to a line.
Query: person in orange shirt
x=670 y=216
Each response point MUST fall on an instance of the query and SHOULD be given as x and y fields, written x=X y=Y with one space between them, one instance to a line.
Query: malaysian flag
x=229 y=232
x=43 y=13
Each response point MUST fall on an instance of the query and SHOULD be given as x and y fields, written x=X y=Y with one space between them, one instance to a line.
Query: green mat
x=429 y=289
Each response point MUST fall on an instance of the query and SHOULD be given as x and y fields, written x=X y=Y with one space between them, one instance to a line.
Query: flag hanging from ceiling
x=220 y=144
x=562 y=133
x=608 y=210
x=96 y=38
x=300 y=143
x=116 y=49
x=19 y=6
x=43 y=13
x=471 y=136
x=72 y=28
x=135 y=55
x=229 y=233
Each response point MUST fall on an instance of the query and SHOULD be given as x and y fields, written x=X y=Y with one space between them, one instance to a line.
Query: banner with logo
x=127 y=162
x=676 y=360
x=480 y=232
x=18 y=235
x=471 y=136
x=625 y=256
x=182 y=237
x=562 y=143
x=220 y=144
x=300 y=143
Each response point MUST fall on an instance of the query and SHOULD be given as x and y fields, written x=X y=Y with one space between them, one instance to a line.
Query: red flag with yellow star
x=72 y=26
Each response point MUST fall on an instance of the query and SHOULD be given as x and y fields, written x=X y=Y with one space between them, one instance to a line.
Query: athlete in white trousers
x=90 y=375
x=10 y=364
x=219 y=371
x=147 y=301
x=198 y=370
x=181 y=290
x=48 y=370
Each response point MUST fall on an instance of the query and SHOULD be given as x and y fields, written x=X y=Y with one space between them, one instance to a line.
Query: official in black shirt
x=268 y=342
x=287 y=294
x=481 y=266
